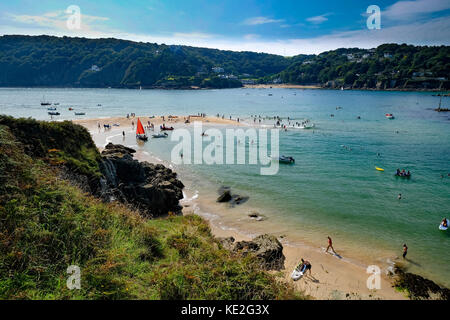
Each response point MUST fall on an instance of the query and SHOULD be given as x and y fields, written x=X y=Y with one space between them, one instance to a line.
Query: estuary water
x=333 y=188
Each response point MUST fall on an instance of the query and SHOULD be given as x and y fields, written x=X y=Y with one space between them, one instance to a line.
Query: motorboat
x=160 y=135
x=390 y=116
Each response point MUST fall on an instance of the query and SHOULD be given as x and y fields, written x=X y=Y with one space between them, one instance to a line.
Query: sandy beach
x=284 y=86
x=332 y=277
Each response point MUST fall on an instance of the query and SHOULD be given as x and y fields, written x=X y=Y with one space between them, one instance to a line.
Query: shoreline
x=245 y=86
x=333 y=278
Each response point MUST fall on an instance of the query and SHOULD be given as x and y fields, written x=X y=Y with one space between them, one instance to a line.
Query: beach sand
x=332 y=277
x=285 y=86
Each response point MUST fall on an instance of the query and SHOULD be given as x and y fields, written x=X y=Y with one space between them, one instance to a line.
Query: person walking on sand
x=123 y=134
x=330 y=245
x=405 y=250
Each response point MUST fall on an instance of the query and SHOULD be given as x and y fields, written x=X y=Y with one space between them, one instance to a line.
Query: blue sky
x=275 y=26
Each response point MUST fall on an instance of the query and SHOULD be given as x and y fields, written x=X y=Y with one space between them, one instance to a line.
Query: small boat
x=56 y=104
x=379 y=169
x=307 y=126
x=45 y=103
x=51 y=109
x=70 y=109
x=160 y=135
x=390 y=116
x=80 y=113
x=140 y=132
x=52 y=113
x=164 y=128
x=284 y=159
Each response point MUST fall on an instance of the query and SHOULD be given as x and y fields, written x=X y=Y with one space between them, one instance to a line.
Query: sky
x=282 y=27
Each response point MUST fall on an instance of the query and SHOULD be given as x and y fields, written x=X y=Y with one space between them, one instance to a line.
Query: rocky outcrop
x=151 y=188
x=225 y=196
x=419 y=288
x=266 y=248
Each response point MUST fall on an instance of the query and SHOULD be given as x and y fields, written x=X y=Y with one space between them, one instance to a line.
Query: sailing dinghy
x=140 y=132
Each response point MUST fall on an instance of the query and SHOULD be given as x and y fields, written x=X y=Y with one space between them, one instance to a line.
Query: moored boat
x=140 y=132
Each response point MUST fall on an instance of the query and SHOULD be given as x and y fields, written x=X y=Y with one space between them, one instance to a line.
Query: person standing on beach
x=330 y=245
x=405 y=250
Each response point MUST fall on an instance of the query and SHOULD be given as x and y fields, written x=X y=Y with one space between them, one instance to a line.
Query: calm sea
x=333 y=189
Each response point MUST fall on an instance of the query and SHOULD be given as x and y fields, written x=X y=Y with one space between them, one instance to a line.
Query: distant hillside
x=53 y=61
x=387 y=67
x=78 y=62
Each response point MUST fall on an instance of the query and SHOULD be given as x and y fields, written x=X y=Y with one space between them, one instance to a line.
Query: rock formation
x=152 y=189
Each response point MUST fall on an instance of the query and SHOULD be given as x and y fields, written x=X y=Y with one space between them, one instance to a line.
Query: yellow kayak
x=379 y=169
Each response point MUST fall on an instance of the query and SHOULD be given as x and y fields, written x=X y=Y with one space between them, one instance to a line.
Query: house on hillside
x=217 y=69
x=95 y=68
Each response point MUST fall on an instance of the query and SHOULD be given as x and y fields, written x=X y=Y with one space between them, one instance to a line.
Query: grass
x=47 y=224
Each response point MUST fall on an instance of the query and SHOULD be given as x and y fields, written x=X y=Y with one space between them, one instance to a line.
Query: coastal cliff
x=62 y=203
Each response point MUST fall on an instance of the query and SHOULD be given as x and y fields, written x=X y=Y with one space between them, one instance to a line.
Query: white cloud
x=251 y=36
x=406 y=10
x=193 y=35
x=260 y=20
x=318 y=19
x=55 y=20
x=433 y=32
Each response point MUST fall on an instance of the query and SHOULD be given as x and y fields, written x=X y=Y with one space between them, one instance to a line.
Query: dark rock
x=267 y=249
x=227 y=243
x=225 y=197
x=256 y=216
x=152 y=189
x=419 y=287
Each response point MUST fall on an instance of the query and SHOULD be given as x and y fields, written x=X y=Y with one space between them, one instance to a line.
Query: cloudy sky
x=274 y=26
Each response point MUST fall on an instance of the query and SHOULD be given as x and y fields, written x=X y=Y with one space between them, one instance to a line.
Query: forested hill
x=53 y=61
x=78 y=62
x=389 y=66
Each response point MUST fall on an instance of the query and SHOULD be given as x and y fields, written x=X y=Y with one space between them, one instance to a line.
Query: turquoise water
x=331 y=189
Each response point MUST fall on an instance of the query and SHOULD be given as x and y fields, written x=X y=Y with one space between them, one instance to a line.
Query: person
x=304 y=266
x=330 y=245
x=123 y=134
x=408 y=174
x=399 y=196
x=405 y=250
x=444 y=223
x=398 y=172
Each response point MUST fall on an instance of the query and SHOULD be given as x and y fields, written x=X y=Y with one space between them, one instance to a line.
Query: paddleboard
x=379 y=169
x=296 y=275
x=441 y=227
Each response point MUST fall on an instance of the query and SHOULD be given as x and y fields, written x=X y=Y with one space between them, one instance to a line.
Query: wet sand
x=332 y=277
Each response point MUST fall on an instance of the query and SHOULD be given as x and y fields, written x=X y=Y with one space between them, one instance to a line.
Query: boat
x=52 y=113
x=140 y=132
x=439 y=109
x=307 y=126
x=45 y=103
x=160 y=135
x=80 y=113
x=51 y=109
x=284 y=159
x=379 y=169
x=164 y=128
x=390 y=116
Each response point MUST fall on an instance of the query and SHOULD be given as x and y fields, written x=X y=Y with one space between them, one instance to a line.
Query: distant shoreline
x=446 y=93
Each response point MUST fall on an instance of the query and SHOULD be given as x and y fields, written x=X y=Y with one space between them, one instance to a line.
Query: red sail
x=140 y=128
